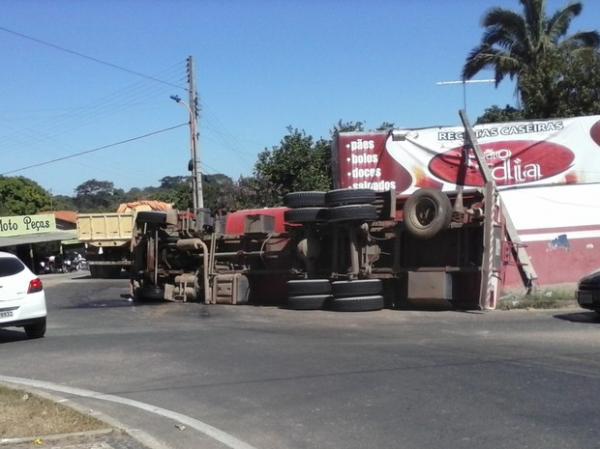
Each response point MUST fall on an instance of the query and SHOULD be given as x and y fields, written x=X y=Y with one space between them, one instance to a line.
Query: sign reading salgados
x=26 y=224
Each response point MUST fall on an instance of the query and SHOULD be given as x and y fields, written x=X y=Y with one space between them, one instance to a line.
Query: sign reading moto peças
x=557 y=151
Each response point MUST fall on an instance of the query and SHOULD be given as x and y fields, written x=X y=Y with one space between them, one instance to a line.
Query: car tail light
x=35 y=286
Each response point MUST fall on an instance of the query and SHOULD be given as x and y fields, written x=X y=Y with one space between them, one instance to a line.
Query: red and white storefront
x=548 y=172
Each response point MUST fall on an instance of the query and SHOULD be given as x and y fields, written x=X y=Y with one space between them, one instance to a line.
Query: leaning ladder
x=524 y=264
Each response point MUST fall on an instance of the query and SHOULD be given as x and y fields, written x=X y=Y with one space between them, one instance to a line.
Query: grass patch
x=27 y=415
x=539 y=299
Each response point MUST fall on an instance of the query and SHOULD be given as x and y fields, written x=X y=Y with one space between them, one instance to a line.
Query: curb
x=140 y=436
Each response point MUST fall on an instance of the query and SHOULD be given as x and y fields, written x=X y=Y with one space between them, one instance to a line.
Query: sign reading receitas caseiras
x=26 y=224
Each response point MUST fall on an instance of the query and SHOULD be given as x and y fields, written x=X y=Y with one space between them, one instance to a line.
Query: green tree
x=98 y=196
x=297 y=163
x=22 y=196
x=495 y=114
x=531 y=48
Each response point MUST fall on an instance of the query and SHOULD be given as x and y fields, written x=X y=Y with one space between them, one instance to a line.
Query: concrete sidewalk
x=104 y=439
x=114 y=436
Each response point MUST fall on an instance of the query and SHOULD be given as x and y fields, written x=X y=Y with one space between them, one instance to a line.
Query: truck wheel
x=304 y=199
x=37 y=329
x=305 y=215
x=341 y=197
x=427 y=212
x=357 y=303
x=150 y=293
x=151 y=217
x=361 y=287
x=360 y=212
x=306 y=302
x=301 y=287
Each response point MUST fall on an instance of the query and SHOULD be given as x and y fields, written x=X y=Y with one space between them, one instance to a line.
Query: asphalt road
x=288 y=379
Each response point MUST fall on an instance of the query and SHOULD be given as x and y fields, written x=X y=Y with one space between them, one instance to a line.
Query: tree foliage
x=96 y=196
x=536 y=50
x=22 y=196
x=297 y=163
x=496 y=114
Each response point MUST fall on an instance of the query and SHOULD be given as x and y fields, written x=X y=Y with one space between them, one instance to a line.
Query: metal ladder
x=524 y=264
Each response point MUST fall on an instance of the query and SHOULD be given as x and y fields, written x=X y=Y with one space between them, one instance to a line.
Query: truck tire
x=150 y=293
x=159 y=218
x=341 y=197
x=306 y=302
x=360 y=212
x=357 y=303
x=306 y=215
x=304 y=199
x=301 y=287
x=360 y=287
x=427 y=212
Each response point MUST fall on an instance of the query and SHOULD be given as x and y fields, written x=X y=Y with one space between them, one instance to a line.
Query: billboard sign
x=534 y=153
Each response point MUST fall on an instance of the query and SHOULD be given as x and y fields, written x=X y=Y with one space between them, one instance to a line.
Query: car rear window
x=10 y=266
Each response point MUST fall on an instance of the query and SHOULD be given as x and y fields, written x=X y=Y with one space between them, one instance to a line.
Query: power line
x=93 y=150
x=91 y=58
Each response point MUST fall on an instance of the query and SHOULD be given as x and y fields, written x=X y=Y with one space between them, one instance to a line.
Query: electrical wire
x=91 y=58
x=93 y=150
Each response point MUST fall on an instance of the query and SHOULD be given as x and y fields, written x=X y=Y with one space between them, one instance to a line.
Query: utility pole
x=194 y=133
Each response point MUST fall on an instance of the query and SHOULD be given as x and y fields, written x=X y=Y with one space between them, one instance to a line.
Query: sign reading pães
x=532 y=153
x=26 y=224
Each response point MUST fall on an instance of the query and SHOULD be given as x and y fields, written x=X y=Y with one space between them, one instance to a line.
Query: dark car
x=588 y=291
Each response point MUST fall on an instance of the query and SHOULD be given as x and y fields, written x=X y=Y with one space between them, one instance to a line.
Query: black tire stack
x=335 y=206
x=308 y=294
x=351 y=205
x=341 y=296
x=360 y=295
x=305 y=207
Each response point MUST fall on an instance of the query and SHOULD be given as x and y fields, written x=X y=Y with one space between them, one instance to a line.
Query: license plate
x=6 y=314
x=586 y=298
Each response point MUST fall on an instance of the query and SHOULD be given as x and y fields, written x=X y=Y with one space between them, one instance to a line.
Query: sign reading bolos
x=26 y=224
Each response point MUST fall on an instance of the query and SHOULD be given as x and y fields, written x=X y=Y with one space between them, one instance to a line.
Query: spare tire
x=151 y=217
x=305 y=215
x=304 y=199
x=427 y=212
x=341 y=197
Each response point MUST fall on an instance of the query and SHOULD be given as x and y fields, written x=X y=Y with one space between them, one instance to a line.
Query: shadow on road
x=7 y=336
x=111 y=303
x=579 y=317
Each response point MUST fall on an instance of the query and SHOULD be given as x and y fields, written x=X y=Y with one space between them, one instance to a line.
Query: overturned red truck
x=419 y=217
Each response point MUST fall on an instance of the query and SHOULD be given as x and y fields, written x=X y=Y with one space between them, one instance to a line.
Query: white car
x=22 y=298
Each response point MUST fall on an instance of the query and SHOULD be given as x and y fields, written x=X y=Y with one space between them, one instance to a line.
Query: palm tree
x=518 y=46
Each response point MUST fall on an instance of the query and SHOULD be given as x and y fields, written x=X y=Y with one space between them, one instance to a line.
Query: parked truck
x=107 y=237
x=352 y=249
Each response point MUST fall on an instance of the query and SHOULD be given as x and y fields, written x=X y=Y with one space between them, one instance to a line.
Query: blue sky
x=261 y=66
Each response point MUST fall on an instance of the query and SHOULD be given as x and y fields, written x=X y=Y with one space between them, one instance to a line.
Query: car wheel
x=37 y=329
x=304 y=199
x=427 y=212
x=357 y=303
x=360 y=287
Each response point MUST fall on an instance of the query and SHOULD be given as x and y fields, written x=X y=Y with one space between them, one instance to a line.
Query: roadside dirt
x=26 y=415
